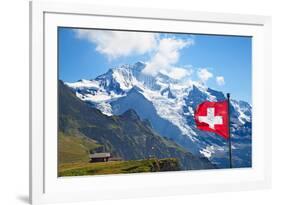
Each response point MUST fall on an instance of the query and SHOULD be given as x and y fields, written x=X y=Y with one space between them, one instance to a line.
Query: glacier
x=169 y=106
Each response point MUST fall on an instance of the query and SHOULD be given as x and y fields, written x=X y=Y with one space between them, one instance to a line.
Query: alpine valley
x=129 y=111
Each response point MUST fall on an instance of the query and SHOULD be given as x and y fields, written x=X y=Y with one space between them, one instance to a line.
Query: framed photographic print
x=129 y=102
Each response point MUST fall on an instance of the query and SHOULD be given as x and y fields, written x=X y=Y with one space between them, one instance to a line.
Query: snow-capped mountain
x=169 y=106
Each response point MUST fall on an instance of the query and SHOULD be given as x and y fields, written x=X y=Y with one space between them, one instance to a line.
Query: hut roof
x=100 y=155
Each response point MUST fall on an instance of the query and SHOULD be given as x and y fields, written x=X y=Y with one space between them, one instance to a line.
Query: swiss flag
x=213 y=117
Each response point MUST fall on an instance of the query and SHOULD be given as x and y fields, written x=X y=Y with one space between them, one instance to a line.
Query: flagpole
x=229 y=136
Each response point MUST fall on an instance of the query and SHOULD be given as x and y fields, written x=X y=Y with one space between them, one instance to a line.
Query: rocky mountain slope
x=125 y=135
x=169 y=106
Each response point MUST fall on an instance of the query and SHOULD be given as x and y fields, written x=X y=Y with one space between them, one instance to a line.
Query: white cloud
x=176 y=73
x=116 y=44
x=166 y=51
x=220 y=80
x=166 y=56
x=204 y=75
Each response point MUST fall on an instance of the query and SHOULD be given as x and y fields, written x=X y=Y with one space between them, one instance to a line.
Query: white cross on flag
x=213 y=117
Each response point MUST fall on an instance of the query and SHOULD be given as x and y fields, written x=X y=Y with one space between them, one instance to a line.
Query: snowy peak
x=120 y=79
x=81 y=84
x=217 y=94
x=160 y=90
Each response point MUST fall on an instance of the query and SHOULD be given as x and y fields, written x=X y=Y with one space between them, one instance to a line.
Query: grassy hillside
x=119 y=167
x=75 y=148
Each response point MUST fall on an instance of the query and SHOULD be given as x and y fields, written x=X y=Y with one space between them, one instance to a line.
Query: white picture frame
x=46 y=187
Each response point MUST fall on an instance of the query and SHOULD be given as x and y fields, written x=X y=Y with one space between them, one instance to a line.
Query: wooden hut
x=100 y=157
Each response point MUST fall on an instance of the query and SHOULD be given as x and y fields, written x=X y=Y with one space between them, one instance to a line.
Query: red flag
x=213 y=117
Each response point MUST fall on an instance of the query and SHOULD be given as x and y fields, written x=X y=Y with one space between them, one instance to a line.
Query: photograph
x=132 y=101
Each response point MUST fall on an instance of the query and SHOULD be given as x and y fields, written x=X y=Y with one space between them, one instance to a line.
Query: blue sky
x=222 y=62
